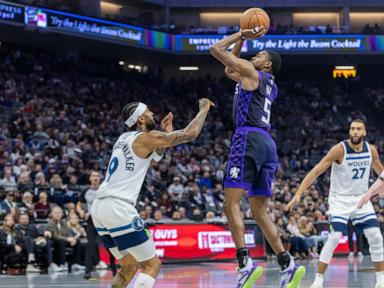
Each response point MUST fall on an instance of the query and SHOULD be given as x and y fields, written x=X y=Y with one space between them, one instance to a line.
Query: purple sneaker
x=292 y=276
x=247 y=278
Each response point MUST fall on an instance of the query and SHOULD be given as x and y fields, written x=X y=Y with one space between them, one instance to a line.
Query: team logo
x=138 y=224
x=234 y=172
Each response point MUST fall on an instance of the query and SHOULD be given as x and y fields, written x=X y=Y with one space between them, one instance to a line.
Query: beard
x=356 y=140
x=151 y=125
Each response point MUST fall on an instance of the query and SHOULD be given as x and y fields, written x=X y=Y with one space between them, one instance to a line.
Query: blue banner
x=11 y=13
x=103 y=30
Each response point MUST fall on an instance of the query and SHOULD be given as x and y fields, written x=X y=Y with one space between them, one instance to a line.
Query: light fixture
x=121 y=62
x=189 y=68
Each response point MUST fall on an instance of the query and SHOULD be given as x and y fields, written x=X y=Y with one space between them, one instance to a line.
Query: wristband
x=381 y=178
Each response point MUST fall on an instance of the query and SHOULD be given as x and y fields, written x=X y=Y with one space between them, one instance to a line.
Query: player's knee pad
x=332 y=242
x=375 y=241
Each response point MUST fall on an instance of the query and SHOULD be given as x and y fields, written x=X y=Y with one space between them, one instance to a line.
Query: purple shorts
x=252 y=162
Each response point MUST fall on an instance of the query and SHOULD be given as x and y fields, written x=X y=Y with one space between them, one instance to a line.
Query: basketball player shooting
x=113 y=211
x=253 y=157
x=351 y=162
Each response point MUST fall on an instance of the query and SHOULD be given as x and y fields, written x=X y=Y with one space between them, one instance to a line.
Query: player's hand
x=364 y=200
x=293 y=202
x=166 y=124
x=254 y=33
x=205 y=104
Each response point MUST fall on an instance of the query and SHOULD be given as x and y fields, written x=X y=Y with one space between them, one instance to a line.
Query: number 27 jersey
x=351 y=177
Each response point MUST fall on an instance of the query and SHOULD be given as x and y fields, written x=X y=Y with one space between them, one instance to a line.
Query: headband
x=140 y=109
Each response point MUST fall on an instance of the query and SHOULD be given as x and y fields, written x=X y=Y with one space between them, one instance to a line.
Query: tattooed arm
x=147 y=142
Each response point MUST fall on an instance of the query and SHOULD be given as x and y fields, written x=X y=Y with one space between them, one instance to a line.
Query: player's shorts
x=252 y=162
x=343 y=208
x=121 y=229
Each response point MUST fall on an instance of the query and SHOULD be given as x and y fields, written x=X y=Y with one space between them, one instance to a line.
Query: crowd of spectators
x=61 y=116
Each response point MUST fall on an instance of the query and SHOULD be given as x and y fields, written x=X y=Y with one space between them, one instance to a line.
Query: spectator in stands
x=27 y=206
x=158 y=215
x=24 y=183
x=37 y=242
x=7 y=204
x=42 y=208
x=8 y=182
x=13 y=252
x=176 y=191
x=63 y=237
x=294 y=230
x=80 y=235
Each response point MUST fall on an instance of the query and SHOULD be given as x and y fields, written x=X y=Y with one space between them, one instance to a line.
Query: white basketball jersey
x=351 y=177
x=126 y=171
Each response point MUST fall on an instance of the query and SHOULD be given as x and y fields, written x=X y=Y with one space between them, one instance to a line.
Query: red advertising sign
x=199 y=241
x=183 y=242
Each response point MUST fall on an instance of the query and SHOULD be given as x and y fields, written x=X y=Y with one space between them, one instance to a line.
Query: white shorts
x=122 y=230
x=344 y=208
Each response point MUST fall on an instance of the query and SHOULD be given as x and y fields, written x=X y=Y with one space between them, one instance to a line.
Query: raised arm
x=231 y=61
x=336 y=154
x=236 y=50
x=146 y=143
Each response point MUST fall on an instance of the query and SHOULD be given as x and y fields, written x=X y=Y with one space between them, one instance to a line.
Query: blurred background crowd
x=61 y=116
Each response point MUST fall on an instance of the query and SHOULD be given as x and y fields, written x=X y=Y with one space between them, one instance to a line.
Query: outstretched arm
x=335 y=154
x=147 y=142
x=378 y=186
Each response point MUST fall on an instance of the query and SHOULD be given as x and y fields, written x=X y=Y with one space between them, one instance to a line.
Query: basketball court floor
x=342 y=273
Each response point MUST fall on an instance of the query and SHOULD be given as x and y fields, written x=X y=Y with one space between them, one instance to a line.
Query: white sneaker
x=102 y=265
x=317 y=284
x=78 y=267
x=351 y=256
x=32 y=269
x=64 y=267
x=379 y=285
x=54 y=268
x=360 y=256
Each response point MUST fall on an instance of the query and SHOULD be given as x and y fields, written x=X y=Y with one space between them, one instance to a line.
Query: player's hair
x=276 y=61
x=129 y=109
x=358 y=120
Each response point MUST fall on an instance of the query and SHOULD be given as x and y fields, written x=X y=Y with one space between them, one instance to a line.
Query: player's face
x=357 y=132
x=149 y=120
x=260 y=60
x=95 y=178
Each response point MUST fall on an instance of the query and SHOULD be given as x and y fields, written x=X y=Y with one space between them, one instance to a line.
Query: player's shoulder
x=337 y=151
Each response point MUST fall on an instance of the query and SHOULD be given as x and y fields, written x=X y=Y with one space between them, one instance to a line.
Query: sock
x=380 y=277
x=144 y=281
x=242 y=255
x=319 y=276
x=284 y=260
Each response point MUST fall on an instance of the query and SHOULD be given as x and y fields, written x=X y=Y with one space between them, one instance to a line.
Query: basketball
x=254 y=17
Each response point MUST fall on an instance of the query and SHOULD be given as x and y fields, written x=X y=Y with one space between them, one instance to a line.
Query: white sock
x=144 y=281
x=380 y=277
x=319 y=278
x=248 y=266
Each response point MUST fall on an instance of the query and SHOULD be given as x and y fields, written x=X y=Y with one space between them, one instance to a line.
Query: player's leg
x=232 y=210
x=375 y=241
x=265 y=163
x=238 y=178
x=292 y=273
x=365 y=221
x=148 y=274
x=325 y=258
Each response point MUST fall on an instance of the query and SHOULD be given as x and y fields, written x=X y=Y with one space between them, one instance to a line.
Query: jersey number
x=356 y=171
x=267 y=110
x=112 y=167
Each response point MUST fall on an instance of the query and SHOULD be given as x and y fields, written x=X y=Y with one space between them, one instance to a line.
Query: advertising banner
x=11 y=13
